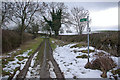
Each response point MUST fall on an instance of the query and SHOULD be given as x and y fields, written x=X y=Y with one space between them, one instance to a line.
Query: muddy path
x=57 y=70
x=44 y=73
x=44 y=56
x=48 y=56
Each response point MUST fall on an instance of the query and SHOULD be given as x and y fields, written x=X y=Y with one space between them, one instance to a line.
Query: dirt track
x=45 y=54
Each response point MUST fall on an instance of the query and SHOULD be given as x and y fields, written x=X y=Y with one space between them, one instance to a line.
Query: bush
x=104 y=62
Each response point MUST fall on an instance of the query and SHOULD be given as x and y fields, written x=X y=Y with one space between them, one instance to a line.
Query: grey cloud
x=93 y=5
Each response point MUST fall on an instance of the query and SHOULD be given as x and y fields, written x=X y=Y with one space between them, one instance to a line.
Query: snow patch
x=23 y=63
x=12 y=65
x=33 y=60
x=16 y=74
x=53 y=41
x=34 y=71
x=5 y=77
x=14 y=51
x=51 y=70
x=25 y=54
x=74 y=67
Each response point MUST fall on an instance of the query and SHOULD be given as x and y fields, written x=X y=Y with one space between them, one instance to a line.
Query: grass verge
x=83 y=56
x=79 y=45
x=33 y=44
x=52 y=43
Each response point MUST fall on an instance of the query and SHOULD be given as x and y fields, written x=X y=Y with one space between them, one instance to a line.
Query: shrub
x=104 y=62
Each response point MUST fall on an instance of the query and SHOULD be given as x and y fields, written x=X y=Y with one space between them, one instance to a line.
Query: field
x=107 y=41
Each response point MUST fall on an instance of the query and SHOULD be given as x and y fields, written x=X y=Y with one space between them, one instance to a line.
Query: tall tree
x=57 y=13
x=21 y=13
x=47 y=28
x=78 y=13
x=55 y=23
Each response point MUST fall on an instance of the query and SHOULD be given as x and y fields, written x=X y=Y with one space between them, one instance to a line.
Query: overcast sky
x=104 y=15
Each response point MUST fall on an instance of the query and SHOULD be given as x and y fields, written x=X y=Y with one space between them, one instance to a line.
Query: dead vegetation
x=103 y=63
x=81 y=44
x=11 y=40
x=117 y=71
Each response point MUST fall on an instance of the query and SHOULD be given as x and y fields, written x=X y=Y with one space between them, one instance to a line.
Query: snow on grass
x=25 y=54
x=14 y=51
x=73 y=67
x=33 y=71
x=115 y=59
x=51 y=70
x=16 y=74
x=33 y=60
x=12 y=65
x=53 y=41
x=4 y=56
x=5 y=77
x=23 y=63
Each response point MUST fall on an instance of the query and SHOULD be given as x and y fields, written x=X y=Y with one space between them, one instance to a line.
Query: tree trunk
x=50 y=33
x=0 y=41
x=21 y=37
x=56 y=33
x=80 y=32
x=21 y=32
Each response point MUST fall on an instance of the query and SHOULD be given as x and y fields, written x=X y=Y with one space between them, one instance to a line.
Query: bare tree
x=21 y=13
x=34 y=28
x=77 y=14
x=5 y=14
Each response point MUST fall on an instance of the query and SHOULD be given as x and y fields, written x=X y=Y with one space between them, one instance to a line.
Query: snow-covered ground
x=14 y=51
x=73 y=67
x=51 y=70
x=12 y=65
x=34 y=71
x=10 y=53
